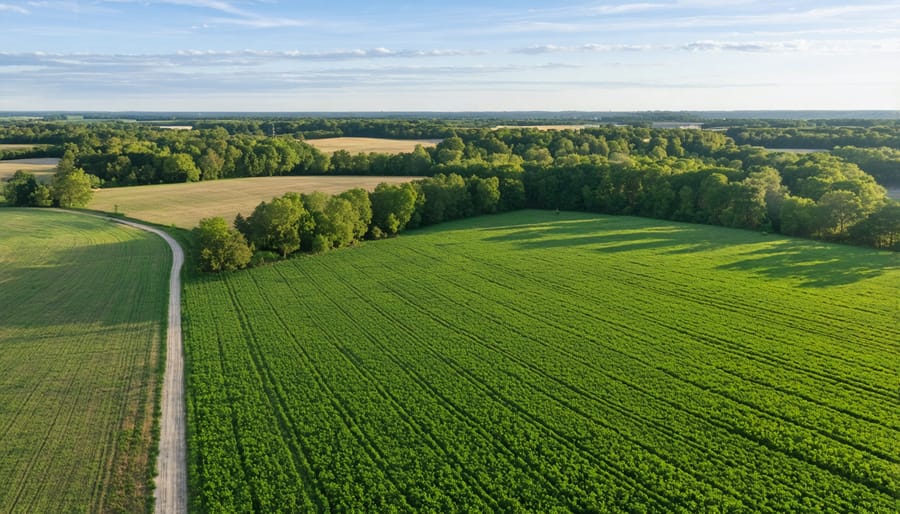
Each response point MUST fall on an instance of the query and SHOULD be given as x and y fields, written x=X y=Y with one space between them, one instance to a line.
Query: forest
x=699 y=176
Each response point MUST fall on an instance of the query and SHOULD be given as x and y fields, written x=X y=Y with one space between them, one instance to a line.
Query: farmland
x=183 y=205
x=80 y=330
x=369 y=144
x=538 y=361
x=15 y=146
x=42 y=168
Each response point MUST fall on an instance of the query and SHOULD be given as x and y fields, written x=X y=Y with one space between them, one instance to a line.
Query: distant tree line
x=820 y=137
x=689 y=175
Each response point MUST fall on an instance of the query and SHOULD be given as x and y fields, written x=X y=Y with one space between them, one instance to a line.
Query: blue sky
x=343 y=55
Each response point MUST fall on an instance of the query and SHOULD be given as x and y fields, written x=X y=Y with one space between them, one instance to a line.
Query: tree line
x=687 y=175
x=317 y=222
x=821 y=137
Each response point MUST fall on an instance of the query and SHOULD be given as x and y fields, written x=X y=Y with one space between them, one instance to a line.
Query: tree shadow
x=816 y=264
x=85 y=285
x=811 y=263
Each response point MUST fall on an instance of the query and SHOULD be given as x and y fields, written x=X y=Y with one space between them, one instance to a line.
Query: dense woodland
x=698 y=176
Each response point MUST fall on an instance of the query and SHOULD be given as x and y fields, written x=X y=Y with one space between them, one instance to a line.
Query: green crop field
x=82 y=312
x=535 y=361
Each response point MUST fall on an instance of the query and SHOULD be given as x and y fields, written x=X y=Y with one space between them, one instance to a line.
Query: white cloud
x=586 y=48
x=746 y=46
x=13 y=8
x=627 y=8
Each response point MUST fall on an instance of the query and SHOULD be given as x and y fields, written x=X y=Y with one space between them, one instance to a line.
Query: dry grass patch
x=370 y=144
x=184 y=205
x=41 y=168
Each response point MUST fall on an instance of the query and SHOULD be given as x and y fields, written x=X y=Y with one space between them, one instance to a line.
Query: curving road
x=171 y=464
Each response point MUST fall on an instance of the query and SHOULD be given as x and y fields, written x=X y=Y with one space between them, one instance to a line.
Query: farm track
x=171 y=480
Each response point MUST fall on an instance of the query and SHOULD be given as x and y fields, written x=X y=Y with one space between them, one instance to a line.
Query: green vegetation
x=69 y=187
x=81 y=331
x=184 y=205
x=534 y=361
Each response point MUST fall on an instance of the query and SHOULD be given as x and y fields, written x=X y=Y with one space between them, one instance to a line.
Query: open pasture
x=541 y=362
x=184 y=205
x=81 y=326
x=356 y=145
x=41 y=168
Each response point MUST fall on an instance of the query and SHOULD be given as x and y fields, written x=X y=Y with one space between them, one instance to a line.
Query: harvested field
x=15 y=146
x=370 y=144
x=184 y=205
x=41 y=168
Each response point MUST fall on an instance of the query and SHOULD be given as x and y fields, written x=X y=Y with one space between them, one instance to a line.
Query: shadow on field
x=613 y=236
x=813 y=263
x=91 y=284
x=816 y=264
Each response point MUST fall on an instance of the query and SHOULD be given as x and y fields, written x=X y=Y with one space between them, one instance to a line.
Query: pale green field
x=184 y=205
x=15 y=146
x=42 y=168
x=81 y=326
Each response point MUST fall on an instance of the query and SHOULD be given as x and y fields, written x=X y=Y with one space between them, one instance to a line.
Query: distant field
x=894 y=193
x=541 y=362
x=184 y=205
x=797 y=150
x=16 y=146
x=545 y=127
x=369 y=144
x=81 y=324
x=41 y=168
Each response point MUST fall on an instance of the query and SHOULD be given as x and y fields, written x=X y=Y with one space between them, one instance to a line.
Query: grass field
x=15 y=146
x=81 y=324
x=532 y=362
x=355 y=145
x=183 y=205
x=42 y=168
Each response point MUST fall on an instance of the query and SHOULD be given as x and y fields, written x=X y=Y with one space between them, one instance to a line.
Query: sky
x=449 y=55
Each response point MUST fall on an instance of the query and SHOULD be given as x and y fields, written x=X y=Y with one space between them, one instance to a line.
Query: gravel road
x=171 y=479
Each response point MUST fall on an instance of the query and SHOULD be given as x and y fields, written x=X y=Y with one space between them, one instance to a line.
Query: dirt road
x=171 y=480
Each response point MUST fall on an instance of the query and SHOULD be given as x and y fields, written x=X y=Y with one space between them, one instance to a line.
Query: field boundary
x=170 y=492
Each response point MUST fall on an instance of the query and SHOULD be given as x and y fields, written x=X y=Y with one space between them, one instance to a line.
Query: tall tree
x=71 y=188
x=221 y=248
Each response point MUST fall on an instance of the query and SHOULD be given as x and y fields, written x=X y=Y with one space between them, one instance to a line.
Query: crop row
x=442 y=371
